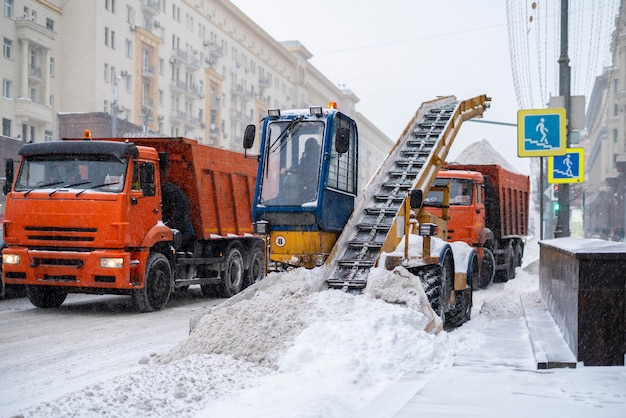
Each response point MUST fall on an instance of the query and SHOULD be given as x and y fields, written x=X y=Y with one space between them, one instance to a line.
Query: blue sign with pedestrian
x=541 y=132
x=568 y=168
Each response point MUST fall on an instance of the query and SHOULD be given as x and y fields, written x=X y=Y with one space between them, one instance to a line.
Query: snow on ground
x=285 y=349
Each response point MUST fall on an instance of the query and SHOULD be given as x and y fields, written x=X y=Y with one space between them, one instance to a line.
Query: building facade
x=605 y=147
x=195 y=68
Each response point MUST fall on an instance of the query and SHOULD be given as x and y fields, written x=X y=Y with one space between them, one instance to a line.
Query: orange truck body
x=60 y=238
x=506 y=199
x=494 y=215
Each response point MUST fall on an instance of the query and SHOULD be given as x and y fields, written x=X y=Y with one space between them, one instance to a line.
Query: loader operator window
x=342 y=173
x=291 y=171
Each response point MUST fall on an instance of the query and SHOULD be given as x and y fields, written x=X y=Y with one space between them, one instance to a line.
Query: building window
x=48 y=136
x=112 y=39
x=106 y=73
x=161 y=66
x=8 y=8
x=161 y=97
x=6 y=127
x=7 y=47
x=128 y=48
x=52 y=66
x=106 y=106
x=106 y=36
x=129 y=83
x=50 y=24
x=6 y=88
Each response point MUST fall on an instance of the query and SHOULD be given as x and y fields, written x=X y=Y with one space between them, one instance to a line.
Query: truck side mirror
x=342 y=141
x=248 y=136
x=8 y=170
x=146 y=176
x=416 y=198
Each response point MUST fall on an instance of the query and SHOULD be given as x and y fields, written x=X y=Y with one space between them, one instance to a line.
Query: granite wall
x=583 y=283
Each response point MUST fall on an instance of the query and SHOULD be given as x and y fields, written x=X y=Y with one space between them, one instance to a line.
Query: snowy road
x=43 y=353
x=290 y=351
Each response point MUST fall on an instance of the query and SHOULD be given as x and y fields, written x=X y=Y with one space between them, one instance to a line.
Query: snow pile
x=482 y=152
x=257 y=324
x=331 y=343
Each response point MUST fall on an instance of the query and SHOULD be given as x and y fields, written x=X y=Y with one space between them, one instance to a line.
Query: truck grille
x=54 y=233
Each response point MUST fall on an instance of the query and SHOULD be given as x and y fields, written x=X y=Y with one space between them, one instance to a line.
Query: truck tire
x=233 y=274
x=157 y=285
x=508 y=272
x=46 y=296
x=518 y=251
x=487 y=270
x=256 y=268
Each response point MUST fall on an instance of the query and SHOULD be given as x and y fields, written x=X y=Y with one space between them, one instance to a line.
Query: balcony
x=179 y=86
x=237 y=90
x=215 y=51
x=193 y=62
x=34 y=33
x=179 y=116
x=148 y=71
x=264 y=82
x=34 y=72
x=150 y=7
x=181 y=55
x=26 y=108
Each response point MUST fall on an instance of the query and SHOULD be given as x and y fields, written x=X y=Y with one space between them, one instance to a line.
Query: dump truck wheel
x=233 y=275
x=487 y=270
x=518 y=251
x=508 y=272
x=256 y=270
x=45 y=296
x=157 y=287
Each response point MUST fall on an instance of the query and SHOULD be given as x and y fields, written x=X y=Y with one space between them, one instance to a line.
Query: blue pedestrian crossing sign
x=541 y=132
x=568 y=168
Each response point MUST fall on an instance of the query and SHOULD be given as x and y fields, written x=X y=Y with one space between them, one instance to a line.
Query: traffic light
x=556 y=207
x=555 y=192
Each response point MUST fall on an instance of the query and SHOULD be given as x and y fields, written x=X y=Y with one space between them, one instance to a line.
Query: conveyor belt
x=417 y=156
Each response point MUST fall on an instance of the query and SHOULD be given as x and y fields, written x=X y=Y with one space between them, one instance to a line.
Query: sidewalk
x=505 y=374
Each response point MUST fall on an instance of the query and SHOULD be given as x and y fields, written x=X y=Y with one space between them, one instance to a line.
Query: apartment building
x=605 y=146
x=195 y=68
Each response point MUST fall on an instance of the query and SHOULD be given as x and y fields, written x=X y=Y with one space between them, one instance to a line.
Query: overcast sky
x=396 y=54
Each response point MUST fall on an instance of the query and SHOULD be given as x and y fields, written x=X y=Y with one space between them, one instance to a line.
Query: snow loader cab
x=306 y=182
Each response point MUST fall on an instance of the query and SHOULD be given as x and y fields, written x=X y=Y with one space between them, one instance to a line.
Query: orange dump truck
x=140 y=217
x=488 y=209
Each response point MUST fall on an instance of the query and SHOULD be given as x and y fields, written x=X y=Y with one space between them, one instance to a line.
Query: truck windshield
x=292 y=165
x=461 y=192
x=101 y=173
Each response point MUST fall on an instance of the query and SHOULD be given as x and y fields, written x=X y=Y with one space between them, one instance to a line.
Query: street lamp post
x=562 y=225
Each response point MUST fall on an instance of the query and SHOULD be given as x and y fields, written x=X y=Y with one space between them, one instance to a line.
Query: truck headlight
x=112 y=263
x=10 y=259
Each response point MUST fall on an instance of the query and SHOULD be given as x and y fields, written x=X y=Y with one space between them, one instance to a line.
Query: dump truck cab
x=466 y=210
x=306 y=182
